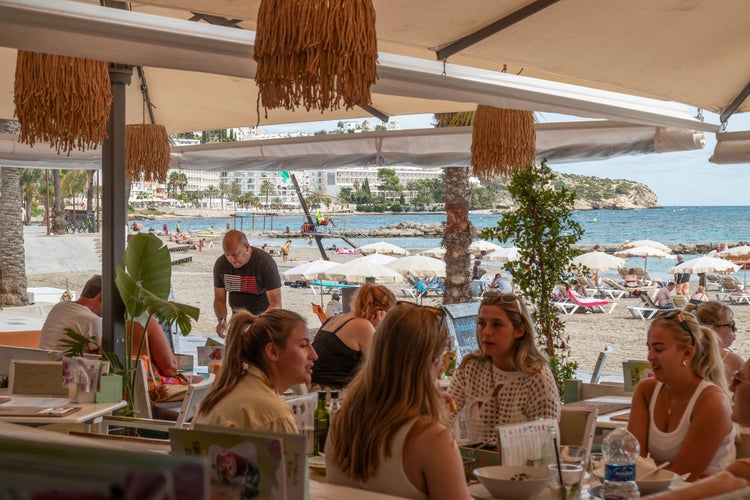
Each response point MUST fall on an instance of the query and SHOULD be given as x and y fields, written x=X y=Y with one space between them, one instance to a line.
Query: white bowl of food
x=513 y=483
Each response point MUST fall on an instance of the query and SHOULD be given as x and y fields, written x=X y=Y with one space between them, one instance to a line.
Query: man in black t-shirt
x=248 y=276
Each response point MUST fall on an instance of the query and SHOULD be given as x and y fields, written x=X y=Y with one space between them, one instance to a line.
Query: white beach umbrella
x=647 y=243
x=739 y=255
x=382 y=247
x=705 y=264
x=418 y=266
x=645 y=252
x=375 y=258
x=736 y=254
x=504 y=254
x=437 y=252
x=598 y=261
x=309 y=270
x=479 y=245
x=358 y=272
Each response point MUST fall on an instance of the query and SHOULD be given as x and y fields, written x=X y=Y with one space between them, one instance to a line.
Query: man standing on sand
x=681 y=280
x=82 y=316
x=249 y=277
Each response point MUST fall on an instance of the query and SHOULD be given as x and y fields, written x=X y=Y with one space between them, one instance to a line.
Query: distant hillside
x=594 y=193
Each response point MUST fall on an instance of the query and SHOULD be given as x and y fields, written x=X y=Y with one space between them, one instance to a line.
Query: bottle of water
x=621 y=449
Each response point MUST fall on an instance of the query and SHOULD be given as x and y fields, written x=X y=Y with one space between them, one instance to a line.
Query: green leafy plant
x=144 y=284
x=542 y=227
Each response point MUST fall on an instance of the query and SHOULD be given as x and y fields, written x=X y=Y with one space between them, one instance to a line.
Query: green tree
x=235 y=192
x=346 y=195
x=543 y=228
x=267 y=189
x=389 y=182
x=211 y=191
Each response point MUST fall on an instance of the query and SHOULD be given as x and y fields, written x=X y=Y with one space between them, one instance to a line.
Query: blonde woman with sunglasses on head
x=386 y=437
x=720 y=318
x=507 y=380
x=683 y=414
x=265 y=355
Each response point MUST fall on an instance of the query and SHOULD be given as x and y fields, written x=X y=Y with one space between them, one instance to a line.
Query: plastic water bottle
x=621 y=449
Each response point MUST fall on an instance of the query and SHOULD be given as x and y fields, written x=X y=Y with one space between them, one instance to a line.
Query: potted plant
x=144 y=285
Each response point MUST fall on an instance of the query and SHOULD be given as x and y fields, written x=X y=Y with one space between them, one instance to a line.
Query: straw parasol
x=739 y=255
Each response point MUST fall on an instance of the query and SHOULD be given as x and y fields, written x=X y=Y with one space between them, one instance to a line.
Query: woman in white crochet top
x=507 y=380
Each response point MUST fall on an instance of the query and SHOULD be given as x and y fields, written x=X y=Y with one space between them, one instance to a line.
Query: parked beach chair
x=731 y=284
x=562 y=301
x=680 y=301
x=590 y=304
x=642 y=312
x=713 y=282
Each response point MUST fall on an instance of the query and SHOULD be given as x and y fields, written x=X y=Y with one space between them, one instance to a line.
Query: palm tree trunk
x=59 y=224
x=459 y=232
x=13 y=281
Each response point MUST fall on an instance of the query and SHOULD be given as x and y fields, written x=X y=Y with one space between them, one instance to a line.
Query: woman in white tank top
x=683 y=414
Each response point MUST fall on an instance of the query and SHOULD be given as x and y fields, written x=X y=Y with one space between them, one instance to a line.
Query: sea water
x=607 y=227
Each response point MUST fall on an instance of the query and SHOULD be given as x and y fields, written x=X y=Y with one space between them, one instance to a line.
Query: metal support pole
x=114 y=213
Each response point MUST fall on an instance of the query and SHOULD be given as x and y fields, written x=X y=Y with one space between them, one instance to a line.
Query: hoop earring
x=684 y=362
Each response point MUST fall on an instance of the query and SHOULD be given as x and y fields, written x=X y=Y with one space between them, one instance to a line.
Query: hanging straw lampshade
x=315 y=54
x=146 y=152
x=62 y=100
x=502 y=141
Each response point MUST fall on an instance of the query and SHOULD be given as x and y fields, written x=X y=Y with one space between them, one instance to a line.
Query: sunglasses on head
x=682 y=319
x=436 y=311
x=492 y=298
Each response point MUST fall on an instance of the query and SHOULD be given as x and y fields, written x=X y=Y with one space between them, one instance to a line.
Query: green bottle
x=322 y=418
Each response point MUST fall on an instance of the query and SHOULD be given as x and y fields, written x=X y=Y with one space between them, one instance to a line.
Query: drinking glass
x=596 y=463
x=572 y=477
x=572 y=454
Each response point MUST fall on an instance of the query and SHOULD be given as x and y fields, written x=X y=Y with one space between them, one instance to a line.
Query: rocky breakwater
x=400 y=230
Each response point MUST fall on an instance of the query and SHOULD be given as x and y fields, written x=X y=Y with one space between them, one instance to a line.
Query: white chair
x=194 y=395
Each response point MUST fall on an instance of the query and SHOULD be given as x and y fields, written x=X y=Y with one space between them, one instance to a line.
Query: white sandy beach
x=53 y=261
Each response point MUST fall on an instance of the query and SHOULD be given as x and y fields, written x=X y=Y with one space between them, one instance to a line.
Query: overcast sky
x=685 y=178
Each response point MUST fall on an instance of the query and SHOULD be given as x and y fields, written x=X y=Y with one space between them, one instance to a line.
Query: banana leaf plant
x=144 y=285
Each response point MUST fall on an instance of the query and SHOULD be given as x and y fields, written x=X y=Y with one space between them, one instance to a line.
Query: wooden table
x=88 y=414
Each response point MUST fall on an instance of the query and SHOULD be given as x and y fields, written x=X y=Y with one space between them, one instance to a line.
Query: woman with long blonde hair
x=682 y=414
x=343 y=340
x=507 y=380
x=265 y=355
x=386 y=437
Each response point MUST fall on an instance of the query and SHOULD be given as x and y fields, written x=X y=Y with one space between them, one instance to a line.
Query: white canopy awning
x=438 y=147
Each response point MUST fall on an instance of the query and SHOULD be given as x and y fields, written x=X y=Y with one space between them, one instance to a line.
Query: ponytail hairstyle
x=372 y=298
x=247 y=338
x=706 y=362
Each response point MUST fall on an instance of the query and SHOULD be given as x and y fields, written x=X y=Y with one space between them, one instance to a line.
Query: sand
x=193 y=284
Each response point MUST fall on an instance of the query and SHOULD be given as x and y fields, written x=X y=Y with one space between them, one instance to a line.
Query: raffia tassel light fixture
x=62 y=100
x=502 y=141
x=315 y=53
x=146 y=152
